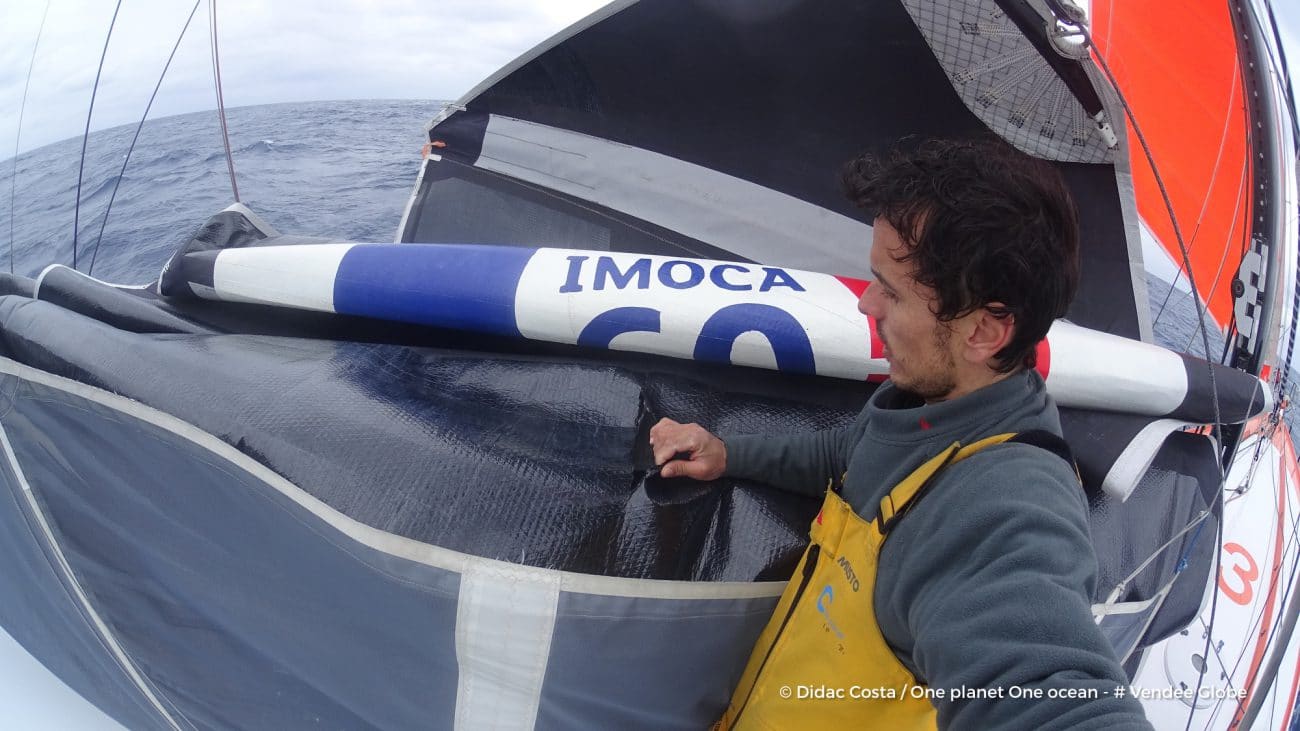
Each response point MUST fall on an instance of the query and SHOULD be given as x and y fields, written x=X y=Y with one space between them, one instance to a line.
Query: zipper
x=810 y=565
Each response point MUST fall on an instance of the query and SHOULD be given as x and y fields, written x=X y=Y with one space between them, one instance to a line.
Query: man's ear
x=990 y=333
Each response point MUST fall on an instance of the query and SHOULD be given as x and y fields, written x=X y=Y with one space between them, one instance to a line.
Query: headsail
x=1198 y=80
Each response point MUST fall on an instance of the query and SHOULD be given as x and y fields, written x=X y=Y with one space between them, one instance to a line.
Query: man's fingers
x=663 y=423
x=677 y=468
x=661 y=429
x=659 y=433
x=668 y=438
x=697 y=470
x=665 y=449
x=685 y=450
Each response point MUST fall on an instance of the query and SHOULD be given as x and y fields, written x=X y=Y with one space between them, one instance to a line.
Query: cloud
x=273 y=52
x=270 y=52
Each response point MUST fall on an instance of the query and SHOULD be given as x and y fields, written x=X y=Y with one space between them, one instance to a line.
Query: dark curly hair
x=984 y=223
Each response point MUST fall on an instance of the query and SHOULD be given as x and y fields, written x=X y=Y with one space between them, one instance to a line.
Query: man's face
x=918 y=346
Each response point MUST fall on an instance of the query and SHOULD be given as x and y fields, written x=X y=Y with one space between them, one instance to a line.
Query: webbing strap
x=1044 y=439
x=896 y=503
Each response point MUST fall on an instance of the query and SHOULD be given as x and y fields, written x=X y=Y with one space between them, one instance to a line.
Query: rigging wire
x=1277 y=63
x=1285 y=600
x=1205 y=341
x=221 y=102
x=95 y=251
x=13 y=180
x=1209 y=625
x=1200 y=313
x=1274 y=582
x=1284 y=377
x=1249 y=712
x=1169 y=207
x=1283 y=625
x=1197 y=523
x=81 y=169
x=1218 y=273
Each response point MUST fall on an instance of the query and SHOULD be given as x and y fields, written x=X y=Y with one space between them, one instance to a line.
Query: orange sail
x=1179 y=69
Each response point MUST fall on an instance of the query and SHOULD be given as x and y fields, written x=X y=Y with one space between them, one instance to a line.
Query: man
x=943 y=577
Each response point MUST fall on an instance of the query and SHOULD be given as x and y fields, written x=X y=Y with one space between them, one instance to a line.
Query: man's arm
x=800 y=463
x=990 y=583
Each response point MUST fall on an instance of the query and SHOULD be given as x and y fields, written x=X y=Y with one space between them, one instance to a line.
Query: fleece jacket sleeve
x=800 y=463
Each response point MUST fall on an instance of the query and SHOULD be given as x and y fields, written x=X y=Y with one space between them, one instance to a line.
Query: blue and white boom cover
x=793 y=321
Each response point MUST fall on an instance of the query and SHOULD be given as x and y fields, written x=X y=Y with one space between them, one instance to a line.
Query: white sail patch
x=504 y=623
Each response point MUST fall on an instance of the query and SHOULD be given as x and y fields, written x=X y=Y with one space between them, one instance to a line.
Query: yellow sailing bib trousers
x=822 y=662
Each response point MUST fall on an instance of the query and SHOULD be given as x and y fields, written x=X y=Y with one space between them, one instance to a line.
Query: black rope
x=221 y=102
x=1173 y=219
x=81 y=169
x=1205 y=339
x=95 y=252
x=18 y=136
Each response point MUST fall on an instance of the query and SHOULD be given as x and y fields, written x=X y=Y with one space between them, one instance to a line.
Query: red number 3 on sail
x=1244 y=569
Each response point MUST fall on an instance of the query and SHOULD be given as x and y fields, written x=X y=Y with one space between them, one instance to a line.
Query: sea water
x=338 y=169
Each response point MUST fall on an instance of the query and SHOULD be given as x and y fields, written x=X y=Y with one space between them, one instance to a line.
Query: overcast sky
x=271 y=51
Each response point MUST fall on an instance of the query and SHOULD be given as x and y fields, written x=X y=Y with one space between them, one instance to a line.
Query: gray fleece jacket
x=987 y=582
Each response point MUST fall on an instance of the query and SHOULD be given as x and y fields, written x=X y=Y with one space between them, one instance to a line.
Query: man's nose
x=868 y=302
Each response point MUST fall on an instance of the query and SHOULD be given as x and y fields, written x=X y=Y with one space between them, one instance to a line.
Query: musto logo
x=746 y=314
x=849 y=576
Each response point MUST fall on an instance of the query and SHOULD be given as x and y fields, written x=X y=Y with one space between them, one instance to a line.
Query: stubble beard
x=939 y=376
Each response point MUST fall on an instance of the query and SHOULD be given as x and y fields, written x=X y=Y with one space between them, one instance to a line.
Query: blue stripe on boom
x=601 y=331
x=466 y=287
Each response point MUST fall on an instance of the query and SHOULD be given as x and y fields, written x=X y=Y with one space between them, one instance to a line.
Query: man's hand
x=707 y=454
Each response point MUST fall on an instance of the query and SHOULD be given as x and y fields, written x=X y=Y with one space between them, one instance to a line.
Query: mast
x=1256 y=293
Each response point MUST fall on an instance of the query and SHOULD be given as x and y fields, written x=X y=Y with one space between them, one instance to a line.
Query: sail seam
x=406 y=548
x=65 y=568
